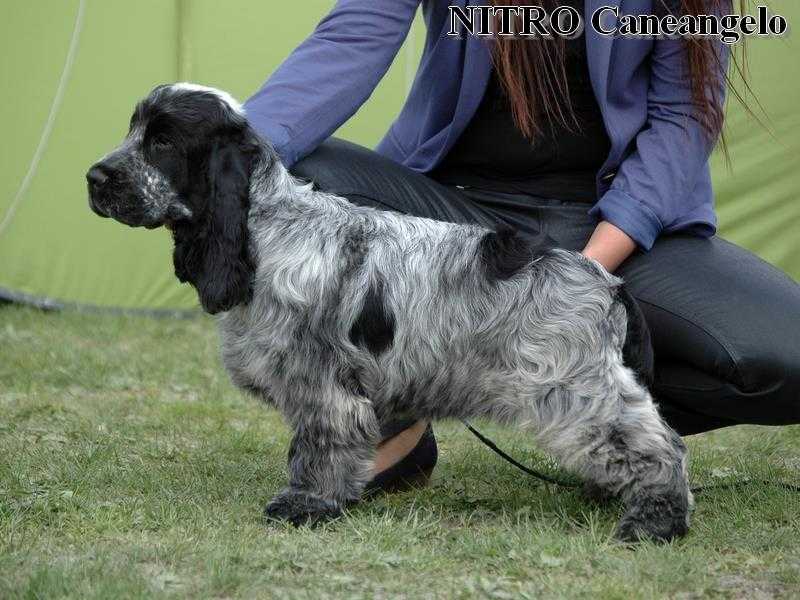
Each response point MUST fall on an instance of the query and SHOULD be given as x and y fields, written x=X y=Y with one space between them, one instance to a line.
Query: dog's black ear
x=213 y=255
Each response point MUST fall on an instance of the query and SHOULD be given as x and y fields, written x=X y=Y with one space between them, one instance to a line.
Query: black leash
x=571 y=484
x=700 y=489
x=519 y=465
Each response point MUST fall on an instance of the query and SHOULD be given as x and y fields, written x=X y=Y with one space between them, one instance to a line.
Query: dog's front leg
x=330 y=458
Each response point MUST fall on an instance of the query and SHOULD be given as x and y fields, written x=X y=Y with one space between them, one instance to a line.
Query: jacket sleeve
x=651 y=190
x=330 y=75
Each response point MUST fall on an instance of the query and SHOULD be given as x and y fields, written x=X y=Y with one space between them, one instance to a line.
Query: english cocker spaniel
x=343 y=317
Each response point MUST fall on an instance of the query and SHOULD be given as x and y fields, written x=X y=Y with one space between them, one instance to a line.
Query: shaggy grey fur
x=358 y=316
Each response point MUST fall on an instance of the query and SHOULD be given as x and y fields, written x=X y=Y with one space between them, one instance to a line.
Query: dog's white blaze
x=234 y=104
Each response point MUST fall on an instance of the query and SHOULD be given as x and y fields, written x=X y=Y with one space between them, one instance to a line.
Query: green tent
x=73 y=69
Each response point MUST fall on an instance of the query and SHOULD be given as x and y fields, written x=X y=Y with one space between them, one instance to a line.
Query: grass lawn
x=129 y=467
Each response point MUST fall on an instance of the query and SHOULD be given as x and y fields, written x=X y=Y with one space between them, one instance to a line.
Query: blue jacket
x=656 y=178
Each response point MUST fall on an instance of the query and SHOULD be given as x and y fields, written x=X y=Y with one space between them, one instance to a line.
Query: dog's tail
x=637 y=352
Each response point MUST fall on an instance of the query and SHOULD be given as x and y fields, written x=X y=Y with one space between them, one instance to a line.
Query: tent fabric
x=73 y=69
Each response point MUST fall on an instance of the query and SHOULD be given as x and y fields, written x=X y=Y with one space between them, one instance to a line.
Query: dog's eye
x=161 y=142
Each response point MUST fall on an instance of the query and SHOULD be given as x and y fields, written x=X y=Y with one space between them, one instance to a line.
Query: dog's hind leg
x=330 y=457
x=620 y=445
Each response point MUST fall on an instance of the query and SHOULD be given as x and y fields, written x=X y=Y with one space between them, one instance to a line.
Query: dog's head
x=186 y=163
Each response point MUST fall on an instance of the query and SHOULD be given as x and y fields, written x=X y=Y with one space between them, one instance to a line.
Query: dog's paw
x=658 y=518
x=299 y=508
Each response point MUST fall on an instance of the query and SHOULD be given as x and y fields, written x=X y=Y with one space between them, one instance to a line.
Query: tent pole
x=183 y=63
x=58 y=98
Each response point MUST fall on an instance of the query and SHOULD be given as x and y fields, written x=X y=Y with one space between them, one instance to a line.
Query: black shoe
x=412 y=471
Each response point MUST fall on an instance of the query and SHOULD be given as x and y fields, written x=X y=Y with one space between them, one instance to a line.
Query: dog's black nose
x=96 y=176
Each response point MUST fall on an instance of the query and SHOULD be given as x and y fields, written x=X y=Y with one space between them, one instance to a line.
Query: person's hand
x=609 y=246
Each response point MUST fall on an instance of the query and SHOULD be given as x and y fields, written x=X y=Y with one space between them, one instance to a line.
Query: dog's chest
x=253 y=350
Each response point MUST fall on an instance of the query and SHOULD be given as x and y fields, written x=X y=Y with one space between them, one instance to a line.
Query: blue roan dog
x=343 y=317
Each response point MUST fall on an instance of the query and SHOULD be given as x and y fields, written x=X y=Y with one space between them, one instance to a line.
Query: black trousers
x=725 y=324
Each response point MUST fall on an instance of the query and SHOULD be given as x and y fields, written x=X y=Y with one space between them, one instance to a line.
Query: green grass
x=129 y=467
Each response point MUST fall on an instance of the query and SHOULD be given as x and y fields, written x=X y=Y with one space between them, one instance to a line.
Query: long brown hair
x=533 y=73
